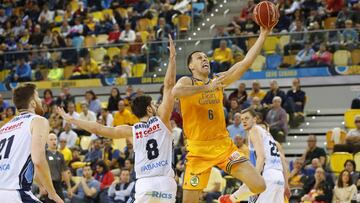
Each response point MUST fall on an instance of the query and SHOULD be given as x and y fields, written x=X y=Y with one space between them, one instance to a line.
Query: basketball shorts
x=274 y=180
x=203 y=155
x=159 y=189
x=18 y=196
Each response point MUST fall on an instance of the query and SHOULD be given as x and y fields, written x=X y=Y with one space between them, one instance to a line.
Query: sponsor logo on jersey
x=194 y=180
x=235 y=156
x=152 y=166
x=4 y=167
x=148 y=131
x=11 y=127
x=159 y=195
x=20 y=117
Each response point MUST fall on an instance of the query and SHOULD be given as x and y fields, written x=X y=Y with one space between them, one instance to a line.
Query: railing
x=153 y=55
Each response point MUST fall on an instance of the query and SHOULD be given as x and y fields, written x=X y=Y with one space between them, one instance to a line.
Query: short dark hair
x=352 y=162
x=23 y=94
x=102 y=164
x=189 y=59
x=250 y=110
x=340 y=182
x=140 y=104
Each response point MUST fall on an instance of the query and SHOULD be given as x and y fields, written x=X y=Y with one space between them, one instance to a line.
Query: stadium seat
x=74 y=5
x=357 y=161
x=138 y=70
x=198 y=8
x=258 y=63
x=273 y=61
x=122 y=11
x=342 y=58
x=184 y=22
x=78 y=42
x=271 y=44
x=290 y=59
x=355 y=57
x=90 y=41
x=112 y=51
x=78 y=108
x=331 y=138
x=284 y=40
x=56 y=29
x=350 y=117
x=144 y=36
x=68 y=70
x=56 y=74
x=102 y=39
x=328 y=22
x=119 y=143
x=143 y=24
x=58 y=19
x=108 y=11
x=55 y=56
x=154 y=21
x=98 y=16
x=104 y=104
x=85 y=142
x=98 y=54
x=338 y=159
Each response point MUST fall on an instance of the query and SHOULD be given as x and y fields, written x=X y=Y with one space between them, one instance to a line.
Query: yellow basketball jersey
x=203 y=115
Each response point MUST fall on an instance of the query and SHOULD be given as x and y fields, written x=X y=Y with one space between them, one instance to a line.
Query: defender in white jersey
x=22 y=150
x=151 y=138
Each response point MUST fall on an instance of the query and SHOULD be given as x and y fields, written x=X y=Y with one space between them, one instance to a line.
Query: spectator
x=297 y=96
x=277 y=120
x=220 y=34
x=234 y=108
x=71 y=111
x=64 y=150
x=160 y=98
x=55 y=120
x=105 y=177
x=114 y=35
x=106 y=66
x=313 y=151
x=48 y=97
x=127 y=35
x=310 y=169
x=296 y=5
x=350 y=166
x=9 y=115
x=3 y=104
x=304 y=56
x=322 y=57
x=316 y=36
x=240 y=94
x=123 y=115
x=106 y=117
x=93 y=101
x=87 y=189
x=111 y=155
x=236 y=129
x=69 y=135
x=48 y=39
x=273 y=92
x=297 y=175
x=334 y=6
x=95 y=152
x=65 y=28
x=77 y=29
x=22 y=72
x=86 y=114
x=176 y=133
x=46 y=14
x=345 y=190
x=65 y=98
x=36 y=37
x=256 y=91
x=214 y=187
x=91 y=27
x=349 y=36
x=239 y=41
x=223 y=58
x=353 y=136
x=313 y=183
x=89 y=68
x=247 y=10
x=296 y=40
x=120 y=189
x=257 y=106
x=332 y=38
x=69 y=56
x=114 y=99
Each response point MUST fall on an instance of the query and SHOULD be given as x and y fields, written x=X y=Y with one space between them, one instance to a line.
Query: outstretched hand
x=172 y=48
x=63 y=114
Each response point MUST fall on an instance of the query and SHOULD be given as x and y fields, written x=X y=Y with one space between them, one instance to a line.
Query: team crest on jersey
x=194 y=180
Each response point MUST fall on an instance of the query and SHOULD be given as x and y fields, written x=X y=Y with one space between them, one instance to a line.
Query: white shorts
x=274 y=180
x=159 y=189
x=17 y=196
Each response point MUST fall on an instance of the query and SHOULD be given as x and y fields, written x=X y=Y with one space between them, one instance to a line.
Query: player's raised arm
x=167 y=104
x=39 y=132
x=184 y=87
x=255 y=138
x=122 y=131
x=239 y=68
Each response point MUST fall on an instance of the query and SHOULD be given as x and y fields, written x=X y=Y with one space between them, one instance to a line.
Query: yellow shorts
x=203 y=155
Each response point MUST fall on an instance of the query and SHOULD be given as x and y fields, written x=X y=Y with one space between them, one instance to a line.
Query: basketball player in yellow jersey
x=208 y=142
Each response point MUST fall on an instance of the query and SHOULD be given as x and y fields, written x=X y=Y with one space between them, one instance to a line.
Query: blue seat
x=77 y=42
x=198 y=8
x=273 y=61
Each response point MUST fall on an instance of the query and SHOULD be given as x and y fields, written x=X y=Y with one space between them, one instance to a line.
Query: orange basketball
x=266 y=14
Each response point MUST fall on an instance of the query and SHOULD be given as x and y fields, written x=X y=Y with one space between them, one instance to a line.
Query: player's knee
x=259 y=187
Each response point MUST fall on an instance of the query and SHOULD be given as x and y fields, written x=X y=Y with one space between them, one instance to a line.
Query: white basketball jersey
x=16 y=167
x=272 y=155
x=153 y=149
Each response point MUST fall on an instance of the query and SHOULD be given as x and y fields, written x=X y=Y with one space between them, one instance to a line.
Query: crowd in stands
x=311 y=33
x=30 y=30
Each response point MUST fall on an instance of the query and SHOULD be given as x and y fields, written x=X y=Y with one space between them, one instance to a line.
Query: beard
x=39 y=110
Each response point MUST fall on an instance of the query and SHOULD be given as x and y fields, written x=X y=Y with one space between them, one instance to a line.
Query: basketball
x=266 y=14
